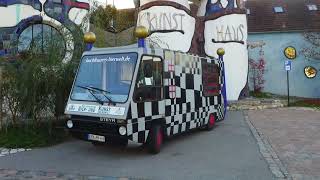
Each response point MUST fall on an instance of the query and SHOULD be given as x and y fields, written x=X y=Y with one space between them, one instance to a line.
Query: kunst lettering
x=171 y=26
x=219 y=24
x=167 y=22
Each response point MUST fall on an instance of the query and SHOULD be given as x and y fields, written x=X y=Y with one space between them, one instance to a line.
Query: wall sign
x=310 y=72
x=290 y=52
x=287 y=65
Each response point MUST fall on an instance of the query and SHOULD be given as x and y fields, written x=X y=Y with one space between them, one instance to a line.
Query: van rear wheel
x=211 y=122
x=156 y=138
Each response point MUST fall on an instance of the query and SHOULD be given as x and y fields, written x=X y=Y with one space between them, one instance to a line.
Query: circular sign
x=310 y=72
x=290 y=52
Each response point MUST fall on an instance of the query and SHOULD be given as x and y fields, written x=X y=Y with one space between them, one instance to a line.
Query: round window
x=42 y=39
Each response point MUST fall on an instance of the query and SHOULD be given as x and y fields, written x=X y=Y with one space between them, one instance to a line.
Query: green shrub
x=259 y=94
x=32 y=135
x=34 y=88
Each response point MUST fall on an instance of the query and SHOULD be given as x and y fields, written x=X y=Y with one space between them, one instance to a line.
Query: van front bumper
x=81 y=129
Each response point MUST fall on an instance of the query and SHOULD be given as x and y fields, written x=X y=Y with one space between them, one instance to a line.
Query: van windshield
x=104 y=78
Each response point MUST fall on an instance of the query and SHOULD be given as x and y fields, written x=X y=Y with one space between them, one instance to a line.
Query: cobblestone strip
x=5 y=151
x=266 y=150
x=304 y=177
x=40 y=175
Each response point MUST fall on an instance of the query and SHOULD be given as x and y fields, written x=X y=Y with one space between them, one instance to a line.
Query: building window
x=248 y=11
x=41 y=39
x=312 y=7
x=210 y=78
x=278 y=9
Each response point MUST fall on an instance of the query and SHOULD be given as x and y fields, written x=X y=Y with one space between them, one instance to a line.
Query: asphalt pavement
x=229 y=151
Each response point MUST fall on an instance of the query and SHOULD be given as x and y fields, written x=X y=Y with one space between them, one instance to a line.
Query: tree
x=110 y=19
x=102 y=17
x=124 y=19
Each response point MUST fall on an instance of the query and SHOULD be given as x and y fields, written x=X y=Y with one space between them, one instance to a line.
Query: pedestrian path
x=294 y=135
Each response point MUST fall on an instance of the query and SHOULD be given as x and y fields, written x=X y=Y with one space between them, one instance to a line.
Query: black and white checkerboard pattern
x=184 y=106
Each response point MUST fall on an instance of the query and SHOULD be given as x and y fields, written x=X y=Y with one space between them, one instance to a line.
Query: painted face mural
x=225 y=26
x=169 y=22
x=60 y=15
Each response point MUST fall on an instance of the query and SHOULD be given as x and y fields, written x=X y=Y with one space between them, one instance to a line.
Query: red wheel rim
x=159 y=139
x=212 y=120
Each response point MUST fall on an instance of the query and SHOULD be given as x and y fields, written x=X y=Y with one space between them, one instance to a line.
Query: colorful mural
x=227 y=28
x=169 y=22
x=62 y=15
x=257 y=67
x=304 y=79
x=219 y=24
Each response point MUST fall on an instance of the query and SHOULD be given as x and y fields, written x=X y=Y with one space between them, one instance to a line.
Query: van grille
x=95 y=127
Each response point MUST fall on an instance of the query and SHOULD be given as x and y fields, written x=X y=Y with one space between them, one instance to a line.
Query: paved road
x=294 y=135
x=227 y=152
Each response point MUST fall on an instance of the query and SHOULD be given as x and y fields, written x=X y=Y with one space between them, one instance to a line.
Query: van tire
x=97 y=143
x=156 y=138
x=211 y=122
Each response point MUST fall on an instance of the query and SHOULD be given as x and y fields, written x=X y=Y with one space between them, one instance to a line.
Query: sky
x=120 y=4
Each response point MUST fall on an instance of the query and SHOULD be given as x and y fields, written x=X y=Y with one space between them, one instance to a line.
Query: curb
x=5 y=151
x=8 y=174
x=268 y=153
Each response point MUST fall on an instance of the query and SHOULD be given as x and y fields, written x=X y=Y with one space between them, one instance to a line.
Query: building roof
x=296 y=15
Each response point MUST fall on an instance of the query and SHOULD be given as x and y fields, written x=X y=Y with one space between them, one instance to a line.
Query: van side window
x=210 y=78
x=149 y=80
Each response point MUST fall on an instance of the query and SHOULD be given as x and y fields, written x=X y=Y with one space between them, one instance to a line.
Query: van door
x=149 y=86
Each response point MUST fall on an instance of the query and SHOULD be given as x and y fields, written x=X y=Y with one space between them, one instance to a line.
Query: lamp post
x=221 y=53
x=1 y=99
x=141 y=33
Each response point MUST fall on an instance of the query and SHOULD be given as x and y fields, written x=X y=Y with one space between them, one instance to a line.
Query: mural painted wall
x=169 y=22
x=271 y=47
x=226 y=27
x=59 y=15
x=219 y=24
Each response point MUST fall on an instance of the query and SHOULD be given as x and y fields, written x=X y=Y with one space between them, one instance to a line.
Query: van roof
x=129 y=48
x=133 y=48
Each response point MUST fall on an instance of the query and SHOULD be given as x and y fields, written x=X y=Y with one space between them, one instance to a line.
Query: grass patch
x=313 y=103
x=260 y=94
x=30 y=136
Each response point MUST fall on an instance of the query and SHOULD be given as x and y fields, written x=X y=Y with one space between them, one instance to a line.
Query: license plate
x=96 y=138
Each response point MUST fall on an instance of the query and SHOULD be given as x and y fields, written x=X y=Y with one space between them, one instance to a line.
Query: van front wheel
x=95 y=143
x=156 y=138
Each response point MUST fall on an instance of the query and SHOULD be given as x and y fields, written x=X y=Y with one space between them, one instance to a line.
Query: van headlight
x=122 y=131
x=69 y=124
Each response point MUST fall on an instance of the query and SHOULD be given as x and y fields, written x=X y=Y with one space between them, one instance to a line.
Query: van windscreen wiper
x=91 y=90
x=100 y=90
